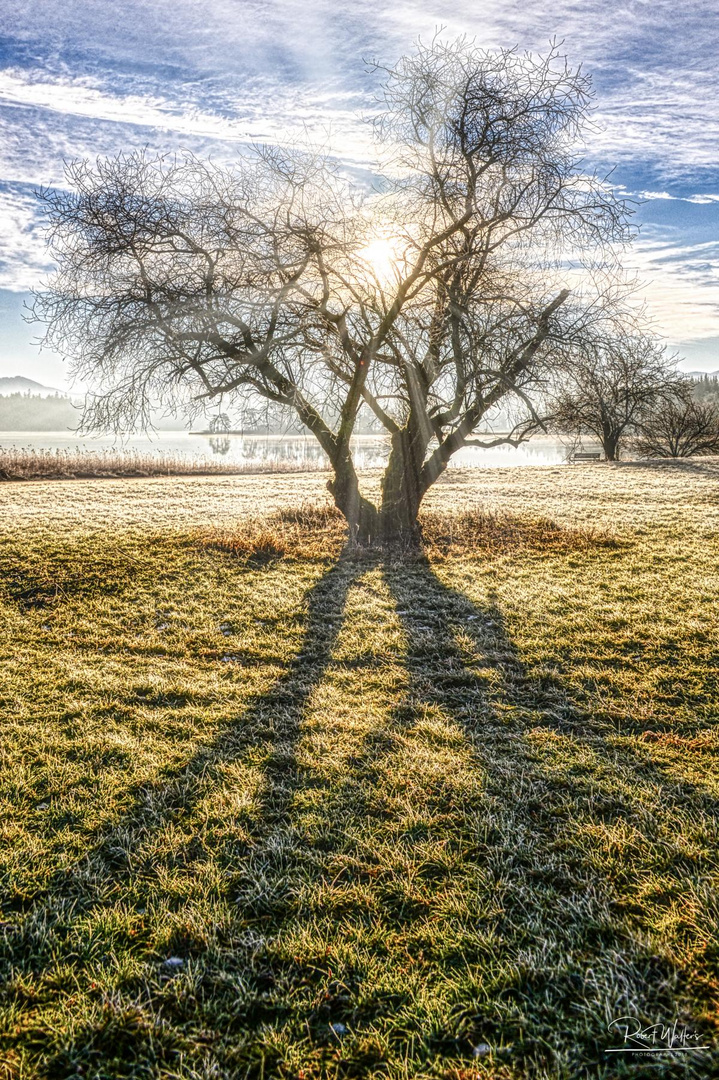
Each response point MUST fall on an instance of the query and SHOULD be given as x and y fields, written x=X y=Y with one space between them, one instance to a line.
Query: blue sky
x=81 y=79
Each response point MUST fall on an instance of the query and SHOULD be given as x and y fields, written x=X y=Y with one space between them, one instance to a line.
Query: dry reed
x=499 y=531
x=24 y=463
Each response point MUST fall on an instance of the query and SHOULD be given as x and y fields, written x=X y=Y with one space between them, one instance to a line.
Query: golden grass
x=316 y=532
x=267 y=811
x=307 y=531
x=478 y=530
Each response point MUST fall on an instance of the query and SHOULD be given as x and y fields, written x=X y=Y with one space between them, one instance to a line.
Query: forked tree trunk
x=395 y=524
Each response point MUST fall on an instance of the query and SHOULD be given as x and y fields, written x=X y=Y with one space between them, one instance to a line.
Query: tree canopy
x=428 y=298
x=679 y=426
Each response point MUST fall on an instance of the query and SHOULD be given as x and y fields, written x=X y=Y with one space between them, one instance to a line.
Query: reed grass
x=316 y=532
x=28 y=463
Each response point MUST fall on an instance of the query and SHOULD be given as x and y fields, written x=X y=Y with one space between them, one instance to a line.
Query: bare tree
x=678 y=426
x=607 y=384
x=426 y=301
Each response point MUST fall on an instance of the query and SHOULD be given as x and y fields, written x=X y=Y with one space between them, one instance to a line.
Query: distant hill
x=701 y=374
x=18 y=384
x=27 y=405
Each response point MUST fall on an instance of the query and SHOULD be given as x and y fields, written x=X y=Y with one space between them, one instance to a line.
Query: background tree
x=706 y=388
x=220 y=424
x=679 y=426
x=606 y=385
x=427 y=301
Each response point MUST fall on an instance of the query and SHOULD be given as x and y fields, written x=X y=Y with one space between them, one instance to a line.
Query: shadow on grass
x=576 y=955
x=269 y=725
x=703 y=466
x=121 y=867
x=444 y=898
x=444 y=892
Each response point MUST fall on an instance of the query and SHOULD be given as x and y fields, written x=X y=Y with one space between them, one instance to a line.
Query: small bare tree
x=427 y=301
x=678 y=426
x=606 y=385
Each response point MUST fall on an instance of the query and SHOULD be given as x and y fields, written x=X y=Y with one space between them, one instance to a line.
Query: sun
x=381 y=257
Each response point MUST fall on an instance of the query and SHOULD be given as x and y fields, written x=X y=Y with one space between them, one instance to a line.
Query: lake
x=296 y=450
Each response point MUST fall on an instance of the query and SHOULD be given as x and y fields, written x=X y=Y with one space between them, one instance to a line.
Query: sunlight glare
x=381 y=256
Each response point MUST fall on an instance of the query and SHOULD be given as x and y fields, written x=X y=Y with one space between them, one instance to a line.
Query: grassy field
x=271 y=810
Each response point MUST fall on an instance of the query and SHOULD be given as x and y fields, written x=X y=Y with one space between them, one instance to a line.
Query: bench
x=593 y=455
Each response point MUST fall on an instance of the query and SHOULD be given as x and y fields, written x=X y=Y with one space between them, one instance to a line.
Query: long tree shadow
x=452 y=864
x=514 y=700
x=537 y=961
x=574 y=941
x=268 y=727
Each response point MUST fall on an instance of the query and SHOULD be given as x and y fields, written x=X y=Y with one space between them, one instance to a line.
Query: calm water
x=370 y=450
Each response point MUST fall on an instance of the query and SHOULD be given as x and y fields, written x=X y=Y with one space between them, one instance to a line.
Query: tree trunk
x=360 y=514
x=402 y=493
x=610 y=444
x=396 y=522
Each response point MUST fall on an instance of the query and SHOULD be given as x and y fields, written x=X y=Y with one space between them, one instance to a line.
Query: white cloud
x=217 y=70
x=23 y=256
x=45 y=121
x=85 y=98
x=670 y=122
x=680 y=286
x=699 y=199
x=215 y=75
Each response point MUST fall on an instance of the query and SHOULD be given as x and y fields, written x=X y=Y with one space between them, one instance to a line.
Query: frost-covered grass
x=273 y=810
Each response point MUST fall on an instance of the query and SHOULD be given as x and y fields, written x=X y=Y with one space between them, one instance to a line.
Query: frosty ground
x=274 y=809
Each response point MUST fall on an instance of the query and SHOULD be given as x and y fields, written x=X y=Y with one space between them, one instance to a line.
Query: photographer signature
x=655 y=1038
